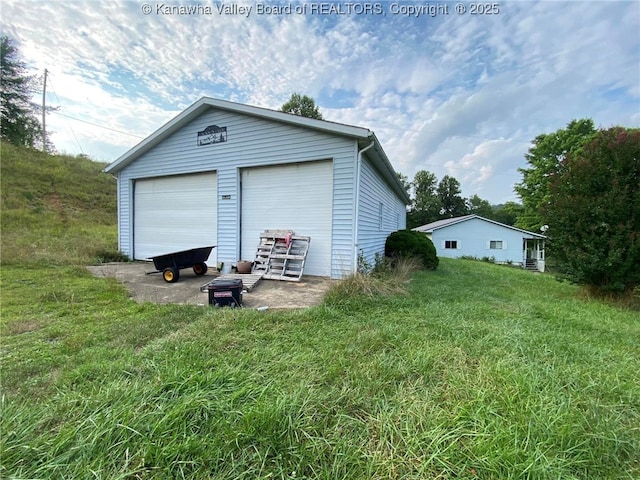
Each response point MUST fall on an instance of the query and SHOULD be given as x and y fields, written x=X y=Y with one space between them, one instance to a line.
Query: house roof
x=430 y=227
x=364 y=136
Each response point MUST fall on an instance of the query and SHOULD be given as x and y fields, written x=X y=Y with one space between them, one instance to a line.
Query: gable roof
x=430 y=227
x=364 y=136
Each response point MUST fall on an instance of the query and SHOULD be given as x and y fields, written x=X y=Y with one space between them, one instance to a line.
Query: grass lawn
x=480 y=371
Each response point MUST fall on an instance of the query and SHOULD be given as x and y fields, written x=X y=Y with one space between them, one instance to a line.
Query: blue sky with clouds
x=454 y=93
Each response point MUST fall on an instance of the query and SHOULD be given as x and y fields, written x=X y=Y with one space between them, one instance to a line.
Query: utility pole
x=44 y=125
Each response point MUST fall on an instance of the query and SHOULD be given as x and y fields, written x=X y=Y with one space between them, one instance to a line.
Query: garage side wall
x=381 y=212
x=250 y=142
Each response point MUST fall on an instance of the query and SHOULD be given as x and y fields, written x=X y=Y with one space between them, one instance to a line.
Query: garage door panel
x=297 y=197
x=175 y=213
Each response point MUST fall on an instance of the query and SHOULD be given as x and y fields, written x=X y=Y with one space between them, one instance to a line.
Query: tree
x=593 y=210
x=425 y=205
x=479 y=206
x=451 y=202
x=19 y=124
x=404 y=180
x=507 y=213
x=301 y=105
x=544 y=157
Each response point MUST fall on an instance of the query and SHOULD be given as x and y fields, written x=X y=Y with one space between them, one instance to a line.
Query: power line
x=68 y=125
x=44 y=113
x=96 y=125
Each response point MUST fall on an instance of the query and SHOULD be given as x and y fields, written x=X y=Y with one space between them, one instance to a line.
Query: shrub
x=594 y=213
x=407 y=243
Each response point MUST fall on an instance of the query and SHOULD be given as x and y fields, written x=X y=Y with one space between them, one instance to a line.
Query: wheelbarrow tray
x=176 y=261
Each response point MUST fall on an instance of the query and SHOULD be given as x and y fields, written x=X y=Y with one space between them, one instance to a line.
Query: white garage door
x=175 y=213
x=294 y=197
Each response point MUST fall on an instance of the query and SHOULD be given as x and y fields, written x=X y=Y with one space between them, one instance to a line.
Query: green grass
x=477 y=371
x=55 y=209
x=481 y=371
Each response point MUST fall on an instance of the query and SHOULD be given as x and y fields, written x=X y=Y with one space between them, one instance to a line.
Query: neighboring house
x=220 y=173
x=479 y=237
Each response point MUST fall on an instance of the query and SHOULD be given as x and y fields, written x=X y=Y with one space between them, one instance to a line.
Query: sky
x=455 y=88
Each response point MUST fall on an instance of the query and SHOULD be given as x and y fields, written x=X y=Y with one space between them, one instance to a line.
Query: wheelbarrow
x=170 y=264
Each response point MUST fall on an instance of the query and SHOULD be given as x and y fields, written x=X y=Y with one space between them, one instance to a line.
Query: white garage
x=295 y=197
x=175 y=213
x=220 y=173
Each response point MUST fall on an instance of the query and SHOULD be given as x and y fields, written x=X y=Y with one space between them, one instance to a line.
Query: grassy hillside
x=55 y=209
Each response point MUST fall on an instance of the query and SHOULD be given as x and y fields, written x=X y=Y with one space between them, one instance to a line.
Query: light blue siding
x=380 y=212
x=343 y=201
x=473 y=238
x=251 y=141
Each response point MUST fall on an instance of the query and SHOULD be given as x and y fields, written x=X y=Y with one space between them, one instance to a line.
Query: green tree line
x=433 y=200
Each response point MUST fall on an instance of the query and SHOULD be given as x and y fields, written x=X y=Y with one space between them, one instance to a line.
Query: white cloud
x=454 y=94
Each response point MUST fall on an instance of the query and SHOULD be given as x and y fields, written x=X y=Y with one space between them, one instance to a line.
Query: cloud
x=461 y=94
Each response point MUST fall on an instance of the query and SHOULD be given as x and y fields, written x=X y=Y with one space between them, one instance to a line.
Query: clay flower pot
x=244 y=266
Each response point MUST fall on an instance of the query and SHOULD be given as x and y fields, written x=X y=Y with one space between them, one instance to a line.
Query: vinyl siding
x=250 y=142
x=374 y=193
x=474 y=236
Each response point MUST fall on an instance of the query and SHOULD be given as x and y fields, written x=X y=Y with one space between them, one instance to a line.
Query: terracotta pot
x=243 y=266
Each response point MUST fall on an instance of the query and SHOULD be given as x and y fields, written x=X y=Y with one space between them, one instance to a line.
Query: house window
x=453 y=244
x=495 y=245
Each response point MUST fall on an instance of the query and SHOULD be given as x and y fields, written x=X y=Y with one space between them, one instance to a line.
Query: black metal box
x=225 y=293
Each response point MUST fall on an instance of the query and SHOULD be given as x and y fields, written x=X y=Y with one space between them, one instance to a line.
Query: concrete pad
x=267 y=293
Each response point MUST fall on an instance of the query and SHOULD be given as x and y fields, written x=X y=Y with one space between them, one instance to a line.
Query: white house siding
x=374 y=194
x=251 y=141
x=473 y=237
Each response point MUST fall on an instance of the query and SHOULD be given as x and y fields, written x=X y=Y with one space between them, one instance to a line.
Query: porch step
x=531 y=265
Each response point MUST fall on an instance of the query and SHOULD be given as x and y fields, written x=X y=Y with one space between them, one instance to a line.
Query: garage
x=221 y=172
x=296 y=197
x=175 y=213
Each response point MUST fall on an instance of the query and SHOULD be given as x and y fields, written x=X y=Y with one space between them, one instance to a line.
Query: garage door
x=175 y=213
x=294 y=197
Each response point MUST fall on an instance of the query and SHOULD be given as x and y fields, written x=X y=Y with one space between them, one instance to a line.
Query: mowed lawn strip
x=478 y=371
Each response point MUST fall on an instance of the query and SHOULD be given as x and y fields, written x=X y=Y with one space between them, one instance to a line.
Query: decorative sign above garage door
x=212 y=134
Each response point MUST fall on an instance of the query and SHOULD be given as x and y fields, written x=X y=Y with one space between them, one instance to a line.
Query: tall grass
x=475 y=371
x=56 y=210
x=384 y=280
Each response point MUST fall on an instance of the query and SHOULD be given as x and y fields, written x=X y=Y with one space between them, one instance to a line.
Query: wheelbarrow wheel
x=200 y=268
x=170 y=275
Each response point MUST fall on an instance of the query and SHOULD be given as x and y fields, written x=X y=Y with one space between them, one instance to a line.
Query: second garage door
x=175 y=213
x=294 y=197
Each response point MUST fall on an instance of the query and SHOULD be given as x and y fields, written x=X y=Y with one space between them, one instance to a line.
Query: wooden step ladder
x=281 y=255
